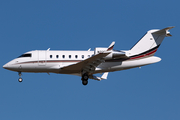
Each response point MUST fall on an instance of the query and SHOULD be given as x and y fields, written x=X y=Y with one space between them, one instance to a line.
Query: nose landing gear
x=20 y=79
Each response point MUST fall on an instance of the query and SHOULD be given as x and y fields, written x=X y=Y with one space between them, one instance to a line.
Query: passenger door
x=42 y=58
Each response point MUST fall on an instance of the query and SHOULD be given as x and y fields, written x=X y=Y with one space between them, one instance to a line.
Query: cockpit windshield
x=25 y=55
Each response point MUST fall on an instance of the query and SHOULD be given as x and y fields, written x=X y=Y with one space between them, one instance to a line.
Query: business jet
x=88 y=63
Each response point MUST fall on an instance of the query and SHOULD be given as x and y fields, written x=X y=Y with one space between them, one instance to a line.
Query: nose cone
x=5 y=66
x=11 y=66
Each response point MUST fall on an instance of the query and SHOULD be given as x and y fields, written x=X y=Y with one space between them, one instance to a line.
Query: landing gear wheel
x=85 y=77
x=84 y=82
x=20 y=79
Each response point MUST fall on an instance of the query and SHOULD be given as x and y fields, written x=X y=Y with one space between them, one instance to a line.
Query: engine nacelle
x=99 y=50
x=102 y=50
x=113 y=55
x=118 y=54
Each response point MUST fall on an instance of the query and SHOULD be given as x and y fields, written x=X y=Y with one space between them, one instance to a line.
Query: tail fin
x=149 y=44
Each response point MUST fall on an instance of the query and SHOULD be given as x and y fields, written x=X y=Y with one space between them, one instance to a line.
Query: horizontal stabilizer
x=164 y=31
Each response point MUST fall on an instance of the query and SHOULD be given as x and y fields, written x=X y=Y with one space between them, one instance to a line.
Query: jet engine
x=115 y=54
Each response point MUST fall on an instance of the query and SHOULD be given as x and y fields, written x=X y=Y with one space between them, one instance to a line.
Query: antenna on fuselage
x=48 y=49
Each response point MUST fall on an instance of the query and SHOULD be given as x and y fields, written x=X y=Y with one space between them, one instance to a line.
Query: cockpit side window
x=25 y=55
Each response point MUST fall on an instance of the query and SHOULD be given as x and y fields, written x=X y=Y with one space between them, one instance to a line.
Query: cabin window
x=25 y=55
x=63 y=56
x=76 y=56
x=82 y=56
x=69 y=56
x=88 y=56
x=57 y=56
x=50 y=56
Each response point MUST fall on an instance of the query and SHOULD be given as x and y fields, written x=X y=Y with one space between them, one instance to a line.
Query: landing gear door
x=42 y=58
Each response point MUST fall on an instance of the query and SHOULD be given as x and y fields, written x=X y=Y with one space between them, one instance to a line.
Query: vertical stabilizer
x=149 y=43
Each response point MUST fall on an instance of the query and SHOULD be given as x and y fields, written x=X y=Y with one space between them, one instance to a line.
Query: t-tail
x=149 y=43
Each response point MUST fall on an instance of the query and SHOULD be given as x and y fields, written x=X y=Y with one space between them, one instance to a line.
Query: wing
x=88 y=65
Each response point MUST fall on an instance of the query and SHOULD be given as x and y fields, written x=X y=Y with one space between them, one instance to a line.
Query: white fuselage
x=88 y=63
x=53 y=61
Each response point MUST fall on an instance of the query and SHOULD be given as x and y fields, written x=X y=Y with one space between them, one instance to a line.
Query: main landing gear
x=84 y=79
x=20 y=79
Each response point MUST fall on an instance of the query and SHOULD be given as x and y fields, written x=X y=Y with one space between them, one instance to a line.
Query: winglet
x=111 y=46
x=48 y=49
x=103 y=77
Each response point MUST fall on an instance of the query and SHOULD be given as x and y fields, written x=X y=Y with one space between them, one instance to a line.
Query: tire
x=85 y=77
x=84 y=82
x=20 y=79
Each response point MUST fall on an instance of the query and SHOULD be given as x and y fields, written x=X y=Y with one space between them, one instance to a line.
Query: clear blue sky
x=149 y=93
